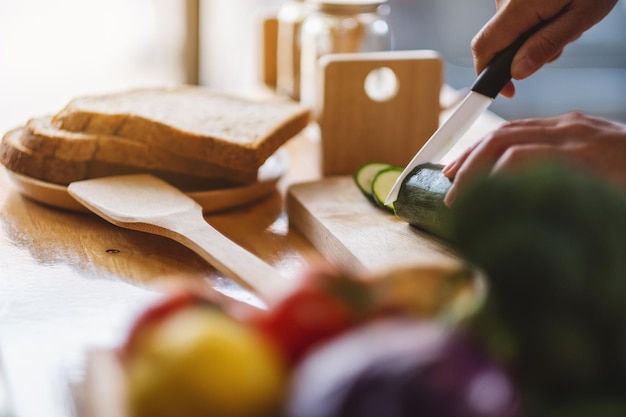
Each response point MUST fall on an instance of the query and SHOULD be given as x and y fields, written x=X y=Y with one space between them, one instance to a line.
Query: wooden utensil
x=149 y=204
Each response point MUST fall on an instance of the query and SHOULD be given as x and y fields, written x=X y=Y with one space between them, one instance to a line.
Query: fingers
x=567 y=20
x=510 y=21
x=545 y=45
x=513 y=158
x=596 y=144
x=506 y=135
x=520 y=156
x=571 y=126
x=452 y=168
x=500 y=149
x=508 y=90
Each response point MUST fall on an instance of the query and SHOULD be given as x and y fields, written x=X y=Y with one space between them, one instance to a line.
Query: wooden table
x=70 y=282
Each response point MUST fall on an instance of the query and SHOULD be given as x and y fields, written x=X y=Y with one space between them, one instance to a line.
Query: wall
x=590 y=76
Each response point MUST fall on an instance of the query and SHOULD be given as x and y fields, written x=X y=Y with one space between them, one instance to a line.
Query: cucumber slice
x=382 y=184
x=364 y=177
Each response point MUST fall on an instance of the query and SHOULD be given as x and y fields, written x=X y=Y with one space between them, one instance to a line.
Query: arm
x=593 y=144
x=567 y=20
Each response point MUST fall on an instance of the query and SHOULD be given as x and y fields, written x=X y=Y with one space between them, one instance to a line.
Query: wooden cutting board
x=353 y=233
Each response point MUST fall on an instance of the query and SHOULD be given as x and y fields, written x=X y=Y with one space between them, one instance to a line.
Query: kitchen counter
x=71 y=282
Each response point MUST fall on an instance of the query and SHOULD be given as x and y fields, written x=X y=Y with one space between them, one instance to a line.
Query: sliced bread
x=196 y=122
x=17 y=158
x=41 y=137
x=50 y=168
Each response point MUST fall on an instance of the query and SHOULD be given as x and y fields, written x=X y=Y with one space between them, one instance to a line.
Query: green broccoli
x=552 y=242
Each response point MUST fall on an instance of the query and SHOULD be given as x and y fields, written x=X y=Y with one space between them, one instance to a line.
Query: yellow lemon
x=196 y=362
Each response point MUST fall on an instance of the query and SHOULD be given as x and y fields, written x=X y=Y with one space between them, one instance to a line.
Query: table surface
x=71 y=282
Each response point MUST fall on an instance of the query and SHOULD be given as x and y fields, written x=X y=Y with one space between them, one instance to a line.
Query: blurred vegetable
x=156 y=312
x=553 y=244
x=400 y=368
x=323 y=305
x=444 y=290
x=327 y=303
x=187 y=358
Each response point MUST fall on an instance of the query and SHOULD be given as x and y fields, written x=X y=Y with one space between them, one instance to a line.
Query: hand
x=567 y=20
x=590 y=143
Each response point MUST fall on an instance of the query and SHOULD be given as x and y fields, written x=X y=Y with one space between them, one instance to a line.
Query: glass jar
x=339 y=26
x=290 y=17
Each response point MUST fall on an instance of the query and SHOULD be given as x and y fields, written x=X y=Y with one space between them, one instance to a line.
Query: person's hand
x=566 y=21
x=590 y=143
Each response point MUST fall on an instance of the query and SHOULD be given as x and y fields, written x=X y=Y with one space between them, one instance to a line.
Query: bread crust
x=190 y=121
x=50 y=168
x=190 y=136
x=41 y=137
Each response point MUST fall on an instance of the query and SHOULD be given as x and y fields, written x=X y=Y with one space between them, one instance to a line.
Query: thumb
x=541 y=48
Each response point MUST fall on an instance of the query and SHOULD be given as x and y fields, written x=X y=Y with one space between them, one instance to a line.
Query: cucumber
x=364 y=176
x=420 y=199
x=382 y=184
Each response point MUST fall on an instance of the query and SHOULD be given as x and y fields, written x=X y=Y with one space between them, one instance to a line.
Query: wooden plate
x=56 y=195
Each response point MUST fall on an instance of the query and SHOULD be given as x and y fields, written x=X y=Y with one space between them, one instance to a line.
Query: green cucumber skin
x=420 y=199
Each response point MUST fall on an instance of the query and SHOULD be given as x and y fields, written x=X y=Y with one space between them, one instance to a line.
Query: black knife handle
x=498 y=73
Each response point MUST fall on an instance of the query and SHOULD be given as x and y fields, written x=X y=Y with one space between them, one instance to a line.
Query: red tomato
x=322 y=307
x=302 y=320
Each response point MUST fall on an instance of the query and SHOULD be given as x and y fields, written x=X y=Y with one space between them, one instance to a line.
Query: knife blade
x=482 y=93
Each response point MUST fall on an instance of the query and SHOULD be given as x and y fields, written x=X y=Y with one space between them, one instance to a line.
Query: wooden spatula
x=148 y=204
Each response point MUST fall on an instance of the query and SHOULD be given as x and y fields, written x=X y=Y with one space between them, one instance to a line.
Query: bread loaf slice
x=191 y=121
x=41 y=137
x=17 y=158
x=50 y=168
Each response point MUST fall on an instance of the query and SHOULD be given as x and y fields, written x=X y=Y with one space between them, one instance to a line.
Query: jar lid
x=346 y=6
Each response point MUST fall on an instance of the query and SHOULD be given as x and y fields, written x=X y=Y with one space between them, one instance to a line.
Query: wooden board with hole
x=355 y=128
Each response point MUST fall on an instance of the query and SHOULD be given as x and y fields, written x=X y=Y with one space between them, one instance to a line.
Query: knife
x=484 y=90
